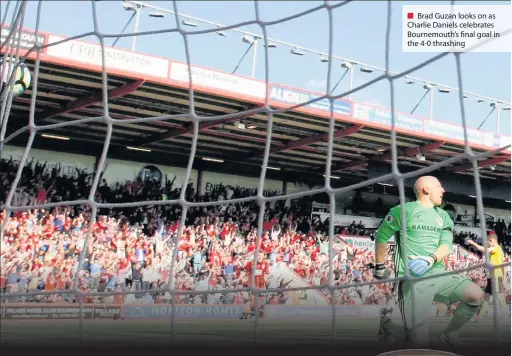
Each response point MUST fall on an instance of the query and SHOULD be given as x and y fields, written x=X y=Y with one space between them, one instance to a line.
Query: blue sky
x=359 y=34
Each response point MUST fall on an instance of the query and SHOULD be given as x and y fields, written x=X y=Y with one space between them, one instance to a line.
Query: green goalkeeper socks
x=463 y=314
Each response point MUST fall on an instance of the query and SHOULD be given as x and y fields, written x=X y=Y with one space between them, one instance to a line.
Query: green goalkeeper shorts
x=446 y=289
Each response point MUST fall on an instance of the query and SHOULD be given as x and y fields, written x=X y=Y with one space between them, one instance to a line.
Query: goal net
x=19 y=78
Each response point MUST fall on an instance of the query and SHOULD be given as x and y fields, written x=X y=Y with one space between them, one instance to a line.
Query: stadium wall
x=19 y=311
x=115 y=170
x=346 y=220
x=453 y=183
x=212 y=179
x=121 y=170
x=68 y=161
x=470 y=210
x=347 y=198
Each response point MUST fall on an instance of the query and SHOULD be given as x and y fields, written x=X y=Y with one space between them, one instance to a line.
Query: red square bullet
x=410 y=15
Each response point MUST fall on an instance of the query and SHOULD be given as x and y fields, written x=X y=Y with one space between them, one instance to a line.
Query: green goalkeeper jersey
x=426 y=229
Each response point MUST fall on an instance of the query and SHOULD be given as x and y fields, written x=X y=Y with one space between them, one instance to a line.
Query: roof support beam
x=97 y=98
x=349 y=165
x=317 y=138
x=419 y=149
x=186 y=129
x=407 y=152
x=306 y=141
x=481 y=164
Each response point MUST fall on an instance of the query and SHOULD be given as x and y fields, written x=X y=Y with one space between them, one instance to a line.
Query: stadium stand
x=131 y=248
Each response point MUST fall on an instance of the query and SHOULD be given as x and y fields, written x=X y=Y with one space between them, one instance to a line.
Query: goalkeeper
x=429 y=240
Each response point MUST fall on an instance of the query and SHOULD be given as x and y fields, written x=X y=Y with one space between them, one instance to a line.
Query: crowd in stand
x=132 y=248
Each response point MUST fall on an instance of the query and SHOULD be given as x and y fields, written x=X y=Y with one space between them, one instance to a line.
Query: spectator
x=130 y=249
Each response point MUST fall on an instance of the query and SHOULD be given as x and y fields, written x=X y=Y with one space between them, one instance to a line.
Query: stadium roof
x=140 y=86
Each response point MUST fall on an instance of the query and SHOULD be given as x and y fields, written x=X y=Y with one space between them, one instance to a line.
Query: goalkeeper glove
x=419 y=265
x=380 y=271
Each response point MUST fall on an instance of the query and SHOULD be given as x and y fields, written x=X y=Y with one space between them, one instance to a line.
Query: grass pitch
x=20 y=332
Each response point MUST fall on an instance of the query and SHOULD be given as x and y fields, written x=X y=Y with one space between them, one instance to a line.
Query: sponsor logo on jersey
x=440 y=221
x=389 y=218
x=425 y=228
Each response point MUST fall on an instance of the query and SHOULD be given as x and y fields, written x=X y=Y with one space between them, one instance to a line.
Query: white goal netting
x=168 y=289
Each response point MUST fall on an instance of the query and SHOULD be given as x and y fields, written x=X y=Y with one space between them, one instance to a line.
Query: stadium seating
x=132 y=248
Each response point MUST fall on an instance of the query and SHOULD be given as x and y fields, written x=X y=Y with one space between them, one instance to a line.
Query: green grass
x=63 y=331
